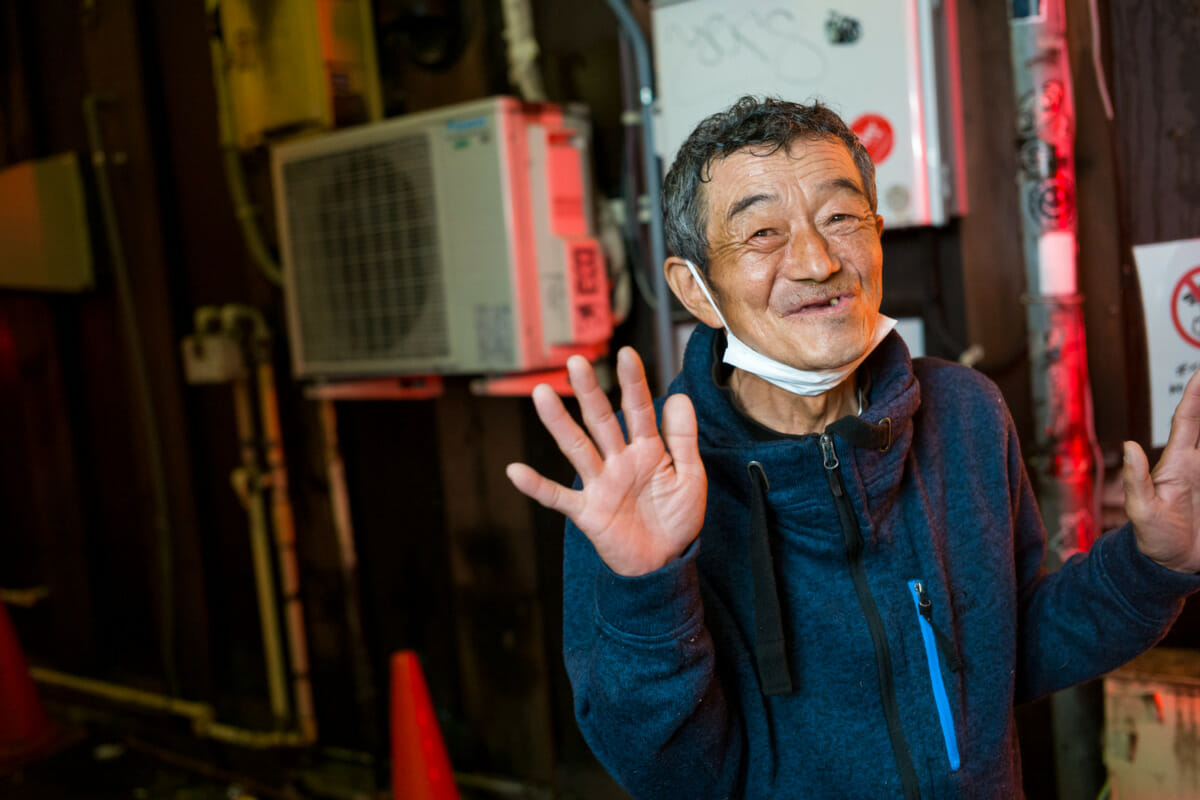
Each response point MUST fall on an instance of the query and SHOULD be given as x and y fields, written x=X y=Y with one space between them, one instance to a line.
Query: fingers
x=552 y=495
x=635 y=395
x=569 y=437
x=597 y=411
x=1139 y=487
x=1185 y=425
x=679 y=432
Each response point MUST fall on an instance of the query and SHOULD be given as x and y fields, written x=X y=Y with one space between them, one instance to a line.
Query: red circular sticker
x=875 y=132
x=1185 y=307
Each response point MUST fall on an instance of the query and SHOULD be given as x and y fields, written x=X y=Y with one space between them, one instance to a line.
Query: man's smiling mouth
x=821 y=304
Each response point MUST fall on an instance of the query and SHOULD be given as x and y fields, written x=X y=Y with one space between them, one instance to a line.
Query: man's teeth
x=834 y=301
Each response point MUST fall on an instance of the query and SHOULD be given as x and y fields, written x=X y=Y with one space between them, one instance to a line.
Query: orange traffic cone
x=420 y=766
x=25 y=730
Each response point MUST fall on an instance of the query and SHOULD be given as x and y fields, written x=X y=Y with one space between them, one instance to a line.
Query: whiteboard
x=869 y=60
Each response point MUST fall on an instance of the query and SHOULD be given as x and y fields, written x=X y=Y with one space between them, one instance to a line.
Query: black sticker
x=841 y=29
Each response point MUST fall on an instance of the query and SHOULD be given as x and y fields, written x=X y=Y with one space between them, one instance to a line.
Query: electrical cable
x=141 y=385
x=1093 y=439
x=235 y=174
x=634 y=230
x=658 y=249
x=1097 y=65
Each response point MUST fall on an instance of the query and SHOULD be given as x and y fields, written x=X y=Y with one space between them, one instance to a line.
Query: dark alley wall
x=453 y=562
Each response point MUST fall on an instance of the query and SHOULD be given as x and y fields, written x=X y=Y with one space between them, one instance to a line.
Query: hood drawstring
x=770 y=643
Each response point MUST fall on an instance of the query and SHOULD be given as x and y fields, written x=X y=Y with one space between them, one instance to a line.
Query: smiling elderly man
x=823 y=579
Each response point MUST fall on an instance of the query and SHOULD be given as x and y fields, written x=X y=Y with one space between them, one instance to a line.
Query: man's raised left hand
x=1164 y=505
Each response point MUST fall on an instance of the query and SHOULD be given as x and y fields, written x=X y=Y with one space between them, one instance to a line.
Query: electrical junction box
x=457 y=240
x=889 y=69
x=45 y=241
x=299 y=64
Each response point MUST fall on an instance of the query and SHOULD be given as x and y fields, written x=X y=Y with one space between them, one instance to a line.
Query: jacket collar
x=891 y=400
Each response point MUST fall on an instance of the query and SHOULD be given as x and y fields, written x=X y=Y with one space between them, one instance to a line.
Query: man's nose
x=809 y=258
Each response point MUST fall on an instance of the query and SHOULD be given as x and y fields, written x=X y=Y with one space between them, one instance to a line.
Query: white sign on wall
x=1169 y=275
x=876 y=64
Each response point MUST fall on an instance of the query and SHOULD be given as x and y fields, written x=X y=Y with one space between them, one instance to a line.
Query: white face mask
x=797 y=381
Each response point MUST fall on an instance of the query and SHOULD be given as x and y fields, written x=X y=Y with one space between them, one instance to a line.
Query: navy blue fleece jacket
x=667 y=691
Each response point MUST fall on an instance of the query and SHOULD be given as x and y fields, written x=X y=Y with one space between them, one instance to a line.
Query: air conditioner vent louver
x=366 y=259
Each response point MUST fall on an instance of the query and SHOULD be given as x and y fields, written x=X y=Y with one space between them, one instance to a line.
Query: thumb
x=1139 y=488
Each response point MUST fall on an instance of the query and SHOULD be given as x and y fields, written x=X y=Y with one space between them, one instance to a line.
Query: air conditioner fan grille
x=366 y=260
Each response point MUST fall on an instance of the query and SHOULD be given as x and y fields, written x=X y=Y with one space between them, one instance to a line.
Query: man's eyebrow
x=746 y=202
x=843 y=183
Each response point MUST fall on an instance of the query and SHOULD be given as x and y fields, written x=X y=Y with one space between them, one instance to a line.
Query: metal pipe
x=25 y=598
x=149 y=700
x=343 y=523
x=1065 y=441
x=141 y=376
x=285 y=548
x=248 y=483
x=1064 y=462
x=233 y=317
x=202 y=715
x=522 y=50
x=658 y=248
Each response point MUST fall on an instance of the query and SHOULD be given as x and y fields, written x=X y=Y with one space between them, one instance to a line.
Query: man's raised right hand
x=643 y=497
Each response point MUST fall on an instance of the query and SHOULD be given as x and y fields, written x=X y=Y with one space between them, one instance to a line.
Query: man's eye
x=763 y=232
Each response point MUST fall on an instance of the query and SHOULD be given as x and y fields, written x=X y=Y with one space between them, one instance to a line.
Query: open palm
x=1164 y=505
x=643 y=496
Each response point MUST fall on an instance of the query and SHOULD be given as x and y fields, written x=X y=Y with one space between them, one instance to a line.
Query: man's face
x=795 y=261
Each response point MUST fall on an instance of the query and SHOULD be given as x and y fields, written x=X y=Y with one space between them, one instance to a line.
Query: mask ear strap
x=704 y=288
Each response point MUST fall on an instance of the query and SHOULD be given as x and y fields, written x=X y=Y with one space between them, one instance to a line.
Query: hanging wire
x=1101 y=80
x=658 y=249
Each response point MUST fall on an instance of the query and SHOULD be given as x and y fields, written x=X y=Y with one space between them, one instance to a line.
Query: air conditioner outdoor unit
x=457 y=240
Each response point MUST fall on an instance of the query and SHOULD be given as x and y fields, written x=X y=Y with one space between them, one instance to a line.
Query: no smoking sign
x=1185 y=307
x=1169 y=276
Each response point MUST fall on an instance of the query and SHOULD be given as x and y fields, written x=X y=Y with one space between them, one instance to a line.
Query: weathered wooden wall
x=453 y=562
x=1156 y=91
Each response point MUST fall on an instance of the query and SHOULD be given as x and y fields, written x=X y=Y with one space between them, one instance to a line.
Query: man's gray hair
x=766 y=126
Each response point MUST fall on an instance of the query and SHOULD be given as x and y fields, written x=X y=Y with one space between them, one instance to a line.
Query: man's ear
x=685 y=287
x=878 y=225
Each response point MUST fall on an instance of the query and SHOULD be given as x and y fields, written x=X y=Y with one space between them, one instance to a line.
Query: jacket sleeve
x=1098 y=611
x=642 y=667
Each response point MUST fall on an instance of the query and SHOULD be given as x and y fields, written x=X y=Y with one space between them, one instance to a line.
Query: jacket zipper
x=933 y=639
x=883 y=657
